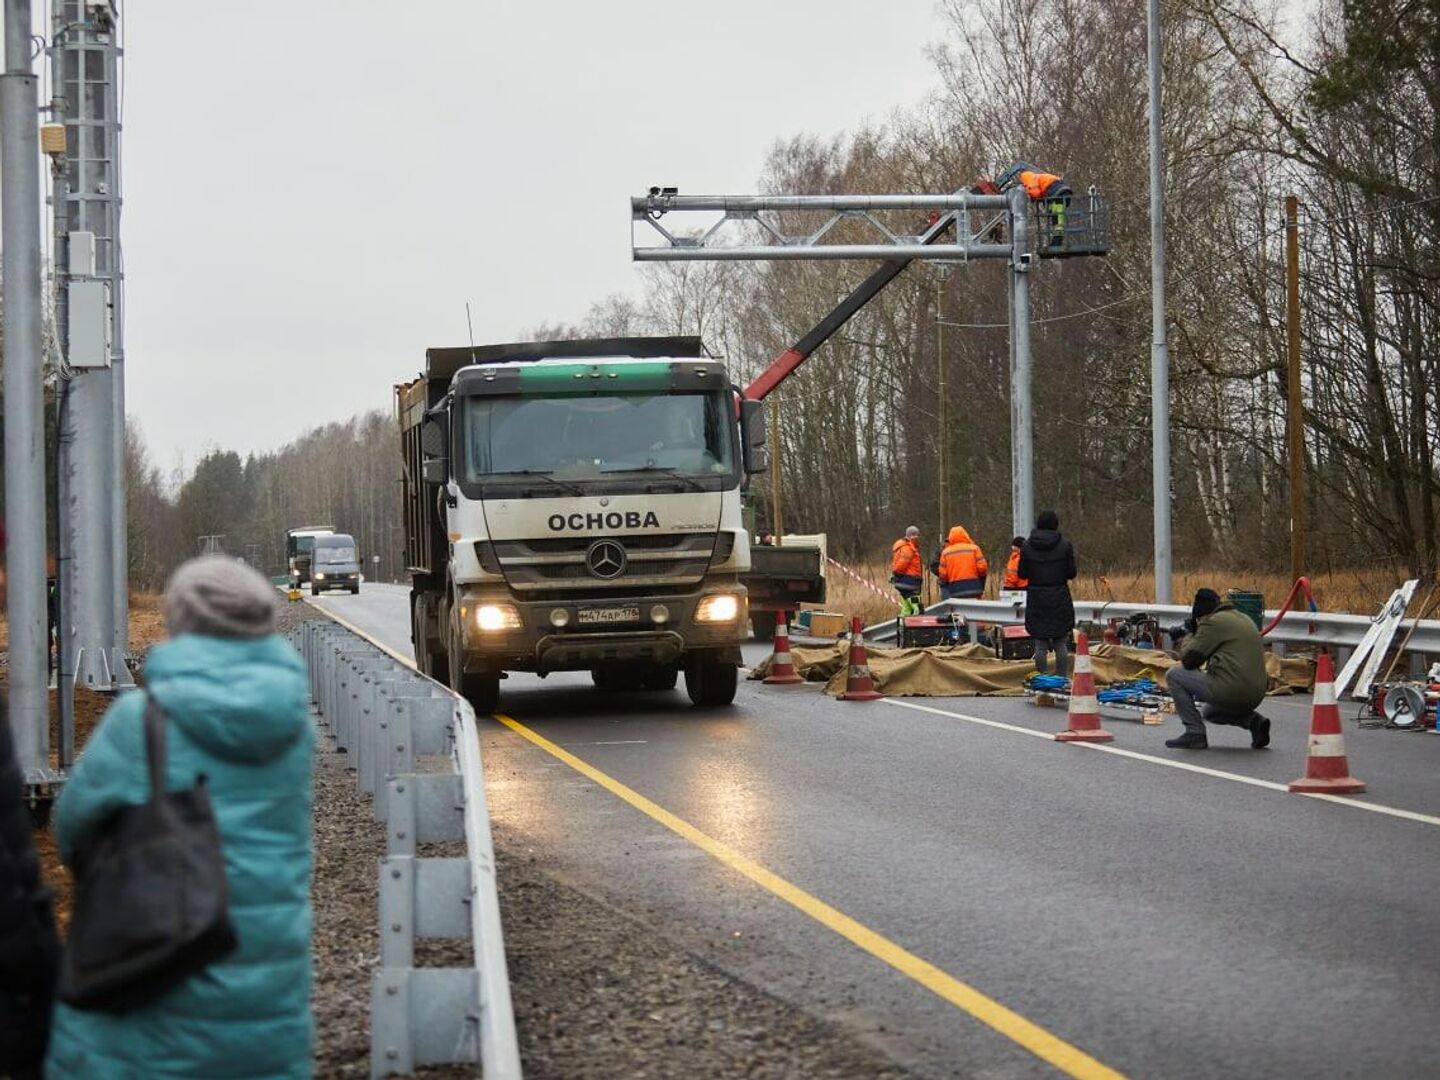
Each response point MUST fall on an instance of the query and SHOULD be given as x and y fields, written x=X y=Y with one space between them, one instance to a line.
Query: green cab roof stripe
x=589 y=378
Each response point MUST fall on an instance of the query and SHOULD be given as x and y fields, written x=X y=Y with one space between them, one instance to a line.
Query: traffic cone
x=1084 y=718
x=858 y=684
x=782 y=669
x=1326 y=769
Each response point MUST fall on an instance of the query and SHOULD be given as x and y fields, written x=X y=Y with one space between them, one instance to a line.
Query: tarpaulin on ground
x=973 y=670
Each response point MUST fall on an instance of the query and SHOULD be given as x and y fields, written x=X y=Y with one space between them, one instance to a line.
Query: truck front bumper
x=555 y=635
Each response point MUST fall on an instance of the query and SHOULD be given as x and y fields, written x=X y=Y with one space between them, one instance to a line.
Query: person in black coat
x=29 y=949
x=1047 y=562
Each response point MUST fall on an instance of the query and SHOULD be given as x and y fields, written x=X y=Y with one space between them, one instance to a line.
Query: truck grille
x=561 y=563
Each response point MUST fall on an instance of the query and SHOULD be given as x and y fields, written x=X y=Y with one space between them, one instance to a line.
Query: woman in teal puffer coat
x=235 y=697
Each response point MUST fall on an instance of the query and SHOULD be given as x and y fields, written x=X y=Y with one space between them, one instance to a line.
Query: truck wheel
x=664 y=677
x=314 y=590
x=711 y=682
x=622 y=678
x=763 y=623
x=354 y=590
x=481 y=689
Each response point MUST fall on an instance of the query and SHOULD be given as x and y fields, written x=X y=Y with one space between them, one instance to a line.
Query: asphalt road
x=1164 y=921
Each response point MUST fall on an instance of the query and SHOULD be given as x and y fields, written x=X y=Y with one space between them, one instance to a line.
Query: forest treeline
x=1339 y=109
x=344 y=474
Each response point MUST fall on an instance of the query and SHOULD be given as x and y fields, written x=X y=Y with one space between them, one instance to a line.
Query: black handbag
x=151 y=899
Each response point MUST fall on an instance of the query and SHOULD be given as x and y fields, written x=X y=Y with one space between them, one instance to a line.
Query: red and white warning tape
x=888 y=597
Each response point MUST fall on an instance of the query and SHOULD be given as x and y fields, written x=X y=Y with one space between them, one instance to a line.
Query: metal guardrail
x=1296 y=628
x=415 y=749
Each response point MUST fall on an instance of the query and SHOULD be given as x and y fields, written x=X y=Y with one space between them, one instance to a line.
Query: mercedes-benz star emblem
x=605 y=559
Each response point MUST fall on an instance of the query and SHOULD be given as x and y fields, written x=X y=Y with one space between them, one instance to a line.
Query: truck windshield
x=684 y=435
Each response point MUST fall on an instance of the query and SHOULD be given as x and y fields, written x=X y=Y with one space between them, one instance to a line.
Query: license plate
x=608 y=615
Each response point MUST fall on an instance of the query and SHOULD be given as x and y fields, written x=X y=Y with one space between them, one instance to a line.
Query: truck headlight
x=722 y=607
x=319 y=577
x=493 y=617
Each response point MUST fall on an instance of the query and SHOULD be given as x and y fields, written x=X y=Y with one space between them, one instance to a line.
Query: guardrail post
x=386 y=716
x=424 y=808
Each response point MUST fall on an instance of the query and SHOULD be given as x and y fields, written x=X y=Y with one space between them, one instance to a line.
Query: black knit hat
x=1206 y=601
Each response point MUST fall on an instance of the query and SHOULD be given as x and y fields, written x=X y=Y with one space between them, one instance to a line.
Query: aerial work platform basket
x=1072 y=225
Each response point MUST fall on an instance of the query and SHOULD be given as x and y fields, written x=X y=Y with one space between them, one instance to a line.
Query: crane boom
x=784 y=364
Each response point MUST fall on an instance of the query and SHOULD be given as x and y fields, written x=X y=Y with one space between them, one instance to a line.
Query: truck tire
x=662 y=677
x=763 y=624
x=711 y=683
x=434 y=664
x=619 y=678
x=314 y=590
x=354 y=590
x=480 y=688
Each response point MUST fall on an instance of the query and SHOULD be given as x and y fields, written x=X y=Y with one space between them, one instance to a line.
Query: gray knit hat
x=220 y=597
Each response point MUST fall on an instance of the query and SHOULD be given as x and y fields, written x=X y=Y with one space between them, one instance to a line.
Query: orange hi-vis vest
x=905 y=559
x=1013 y=580
x=1038 y=184
x=962 y=564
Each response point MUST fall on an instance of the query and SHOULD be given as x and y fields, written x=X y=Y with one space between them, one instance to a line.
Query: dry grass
x=147 y=626
x=1359 y=591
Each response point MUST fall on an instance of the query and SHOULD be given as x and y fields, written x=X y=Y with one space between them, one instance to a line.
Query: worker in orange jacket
x=960 y=566
x=907 y=571
x=1013 y=581
x=1050 y=189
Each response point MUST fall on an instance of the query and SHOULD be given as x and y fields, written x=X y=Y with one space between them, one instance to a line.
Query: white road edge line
x=1185 y=766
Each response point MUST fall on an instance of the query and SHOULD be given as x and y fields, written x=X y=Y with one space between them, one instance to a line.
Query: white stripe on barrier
x=1082 y=664
x=1325 y=693
x=1085 y=704
x=1327 y=745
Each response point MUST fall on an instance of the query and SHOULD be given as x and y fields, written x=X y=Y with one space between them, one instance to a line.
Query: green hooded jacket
x=1227 y=643
x=238 y=714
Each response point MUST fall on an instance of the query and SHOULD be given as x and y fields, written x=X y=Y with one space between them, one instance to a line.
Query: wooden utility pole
x=1294 y=414
x=775 y=467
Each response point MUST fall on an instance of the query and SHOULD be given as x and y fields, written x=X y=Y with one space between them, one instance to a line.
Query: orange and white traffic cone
x=782 y=669
x=1084 y=712
x=858 y=684
x=1327 y=771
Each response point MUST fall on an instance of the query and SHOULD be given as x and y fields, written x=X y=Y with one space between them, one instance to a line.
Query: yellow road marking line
x=1050 y=1048
x=1184 y=766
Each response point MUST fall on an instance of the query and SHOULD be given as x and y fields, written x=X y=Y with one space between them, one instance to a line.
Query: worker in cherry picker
x=907 y=571
x=1049 y=189
x=960 y=566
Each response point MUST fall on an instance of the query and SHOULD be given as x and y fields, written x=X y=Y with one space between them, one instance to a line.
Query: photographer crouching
x=1226 y=644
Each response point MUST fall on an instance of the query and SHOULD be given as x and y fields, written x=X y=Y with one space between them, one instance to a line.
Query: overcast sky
x=314 y=189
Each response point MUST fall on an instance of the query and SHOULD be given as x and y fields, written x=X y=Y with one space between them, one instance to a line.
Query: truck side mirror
x=752 y=431
x=434 y=439
x=434 y=450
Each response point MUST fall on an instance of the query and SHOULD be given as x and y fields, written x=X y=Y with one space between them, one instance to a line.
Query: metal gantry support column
x=1022 y=421
x=83 y=56
x=24 y=397
x=1159 y=347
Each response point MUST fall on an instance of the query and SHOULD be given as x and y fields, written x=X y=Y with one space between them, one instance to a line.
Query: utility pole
x=84 y=60
x=944 y=417
x=775 y=469
x=24 y=398
x=1022 y=423
x=1294 y=410
x=1159 y=347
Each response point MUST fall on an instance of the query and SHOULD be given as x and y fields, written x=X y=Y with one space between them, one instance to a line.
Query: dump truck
x=576 y=505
